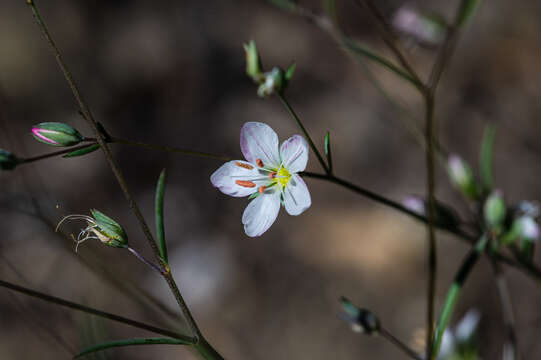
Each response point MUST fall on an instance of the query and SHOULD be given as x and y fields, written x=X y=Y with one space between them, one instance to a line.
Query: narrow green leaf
x=454 y=291
x=358 y=50
x=130 y=342
x=466 y=11
x=160 y=229
x=83 y=151
x=327 y=146
x=487 y=149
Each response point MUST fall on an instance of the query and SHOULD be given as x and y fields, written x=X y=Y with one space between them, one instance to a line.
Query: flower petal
x=259 y=141
x=227 y=176
x=296 y=196
x=261 y=213
x=294 y=153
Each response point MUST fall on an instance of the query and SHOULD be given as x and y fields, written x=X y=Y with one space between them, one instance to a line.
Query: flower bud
x=274 y=83
x=461 y=176
x=426 y=30
x=361 y=320
x=109 y=231
x=494 y=209
x=253 y=63
x=8 y=161
x=56 y=134
x=445 y=216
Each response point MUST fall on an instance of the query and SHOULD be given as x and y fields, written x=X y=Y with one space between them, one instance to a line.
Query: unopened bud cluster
x=272 y=82
x=360 y=320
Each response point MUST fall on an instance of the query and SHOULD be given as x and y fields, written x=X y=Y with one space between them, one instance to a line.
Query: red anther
x=272 y=175
x=243 y=165
x=262 y=189
x=245 y=183
x=259 y=162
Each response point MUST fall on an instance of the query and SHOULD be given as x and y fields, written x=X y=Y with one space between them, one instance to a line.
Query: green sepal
x=130 y=342
x=83 y=151
x=290 y=71
x=111 y=229
x=8 y=161
x=254 y=68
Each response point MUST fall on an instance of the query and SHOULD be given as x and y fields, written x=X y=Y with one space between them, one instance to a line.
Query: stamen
x=243 y=165
x=272 y=175
x=259 y=162
x=262 y=189
x=245 y=183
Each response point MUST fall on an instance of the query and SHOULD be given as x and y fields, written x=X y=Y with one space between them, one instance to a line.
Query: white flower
x=269 y=174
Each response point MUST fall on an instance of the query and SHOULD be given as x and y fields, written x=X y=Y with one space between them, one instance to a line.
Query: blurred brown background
x=172 y=72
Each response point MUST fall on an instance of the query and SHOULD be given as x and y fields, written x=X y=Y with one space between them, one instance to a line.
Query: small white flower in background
x=269 y=175
x=461 y=334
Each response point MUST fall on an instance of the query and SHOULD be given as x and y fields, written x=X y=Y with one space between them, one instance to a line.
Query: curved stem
x=399 y=344
x=306 y=135
x=52 y=154
x=166 y=273
x=143 y=260
x=92 y=311
x=170 y=149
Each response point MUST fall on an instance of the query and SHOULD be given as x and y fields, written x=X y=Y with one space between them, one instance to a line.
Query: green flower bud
x=494 y=210
x=8 y=161
x=461 y=176
x=274 y=83
x=109 y=231
x=100 y=227
x=253 y=63
x=361 y=320
x=56 y=134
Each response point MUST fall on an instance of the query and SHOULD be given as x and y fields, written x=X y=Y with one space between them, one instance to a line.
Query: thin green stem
x=52 y=154
x=454 y=291
x=388 y=37
x=129 y=342
x=117 y=172
x=170 y=149
x=305 y=132
x=144 y=260
x=92 y=311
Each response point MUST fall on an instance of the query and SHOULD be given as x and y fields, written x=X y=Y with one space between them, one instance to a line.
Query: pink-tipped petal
x=296 y=196
x=232 y=175
x=294 y=153
x=261 y=213
x=259 y=141
x=38 y=133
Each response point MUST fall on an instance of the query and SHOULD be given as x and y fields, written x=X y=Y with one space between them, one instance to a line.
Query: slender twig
x=399 y=344
x=507 y=307
x=305 y=132
x=170 y=149
x=387 y=36
x=52 y=154
x=144 y=260
x=96 y=312
x=432 y=246
x=117 y=172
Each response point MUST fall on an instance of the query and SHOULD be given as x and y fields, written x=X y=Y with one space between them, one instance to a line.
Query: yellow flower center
x=283 y=176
